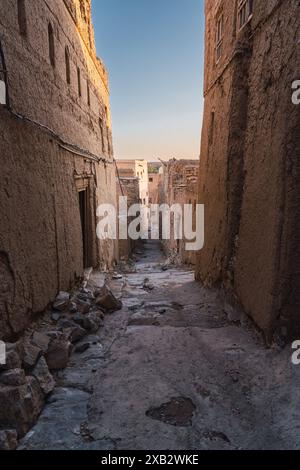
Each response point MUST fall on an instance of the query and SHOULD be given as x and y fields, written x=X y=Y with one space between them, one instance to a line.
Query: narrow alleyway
x=169 y=371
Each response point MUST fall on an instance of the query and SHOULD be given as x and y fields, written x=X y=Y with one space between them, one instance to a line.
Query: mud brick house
x=129 y=188
x=56 y=154
x=138 y=169
x=180 y=185
x=155 y=172
x=250 y=166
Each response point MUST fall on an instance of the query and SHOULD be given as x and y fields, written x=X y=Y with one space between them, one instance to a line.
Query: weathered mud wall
x=249 y=168
x=180 y=182
x=55 y=144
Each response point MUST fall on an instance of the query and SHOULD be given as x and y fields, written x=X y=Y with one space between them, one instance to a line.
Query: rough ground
x=169 y=372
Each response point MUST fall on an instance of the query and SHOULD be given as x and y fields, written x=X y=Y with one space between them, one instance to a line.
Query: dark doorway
x=83 y=206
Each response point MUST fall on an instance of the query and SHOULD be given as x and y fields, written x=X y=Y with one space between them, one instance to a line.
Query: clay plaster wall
x=46 y=158
x=249 y=168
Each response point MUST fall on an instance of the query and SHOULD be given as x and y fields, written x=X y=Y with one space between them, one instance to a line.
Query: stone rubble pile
x=27 y=378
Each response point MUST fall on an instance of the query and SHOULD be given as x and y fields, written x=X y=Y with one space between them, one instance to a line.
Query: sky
x=153 y=50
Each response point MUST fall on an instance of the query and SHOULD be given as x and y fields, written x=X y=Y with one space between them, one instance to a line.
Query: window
x=22 y=17
x=102 y=134
x=51 y=45
x=88 y=93
x=219 y=37
x=79 y=81
x=68 y=69
x=150 y=180
x=245 y=10
x=211 y=129
x=108 y=142
x=3 y=77
x=82 y=10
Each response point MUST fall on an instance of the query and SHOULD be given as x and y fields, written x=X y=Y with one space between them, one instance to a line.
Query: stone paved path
x=170 y=372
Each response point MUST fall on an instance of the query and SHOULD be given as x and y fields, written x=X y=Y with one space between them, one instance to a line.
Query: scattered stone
x=233 y=314
x=83 y=306
x=42 y=374
x=13 y=360
x=73 y=307
x=13 y=377
x=55 y=317
x=92 y=322
x=76 y=333
x=78 y=318
x=64 y=323
x=117 y=276
x=62 y=301
x=82 y=348
x=161 y=311
x=58 y=353
x=8 y=439
x=177 y=412
x=60 y=305
x=164 y=268
x=31 y=355
x=215 y=436
x=40 y=340
x=147 y=285
x=108 y=301
x=21 y=406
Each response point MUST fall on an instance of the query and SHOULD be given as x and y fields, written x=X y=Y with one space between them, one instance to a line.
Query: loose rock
x=31 y=355
x=8 y=439
x=58 y=353
x=82 y=348
x=13 y=377
x=40 y=340
x=21 y=406
x=107 y=301
x=62 y=301
x=42 y=374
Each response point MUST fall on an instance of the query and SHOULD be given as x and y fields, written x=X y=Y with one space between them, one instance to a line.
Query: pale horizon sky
x=153 y=50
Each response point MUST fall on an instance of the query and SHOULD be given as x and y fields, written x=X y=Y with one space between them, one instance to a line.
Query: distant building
x=155 y=173
x=128 y=187
x=138 y=169
x=179 y=186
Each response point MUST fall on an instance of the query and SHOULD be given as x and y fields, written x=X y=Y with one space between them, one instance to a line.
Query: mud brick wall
x=55 y=141
x=249 y=168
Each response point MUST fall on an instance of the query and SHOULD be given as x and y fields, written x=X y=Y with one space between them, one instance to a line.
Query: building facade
x=250 y=167
x=179 y=187
x=155 y=173
x=129 y=188
x=56 y=152
x=138 y=169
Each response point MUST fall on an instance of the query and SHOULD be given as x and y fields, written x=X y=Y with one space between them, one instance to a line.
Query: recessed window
x=102 y=134
x=82 y=10
x=245 y=10
x=219 y=36
x=108 y=142
x=51 y=45
x=211 y=129
x=79 y=81
x=150 y=180
x=88 y=91
x=3 y=94
x=22 y=17
x=68 y=68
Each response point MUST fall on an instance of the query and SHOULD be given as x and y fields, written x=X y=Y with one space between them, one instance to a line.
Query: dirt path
x=170 y=372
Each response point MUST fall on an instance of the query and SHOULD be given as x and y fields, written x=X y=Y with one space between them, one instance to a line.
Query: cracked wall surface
x=249 y=168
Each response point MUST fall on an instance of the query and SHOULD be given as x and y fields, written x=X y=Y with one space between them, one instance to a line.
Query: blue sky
x=153 y=50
